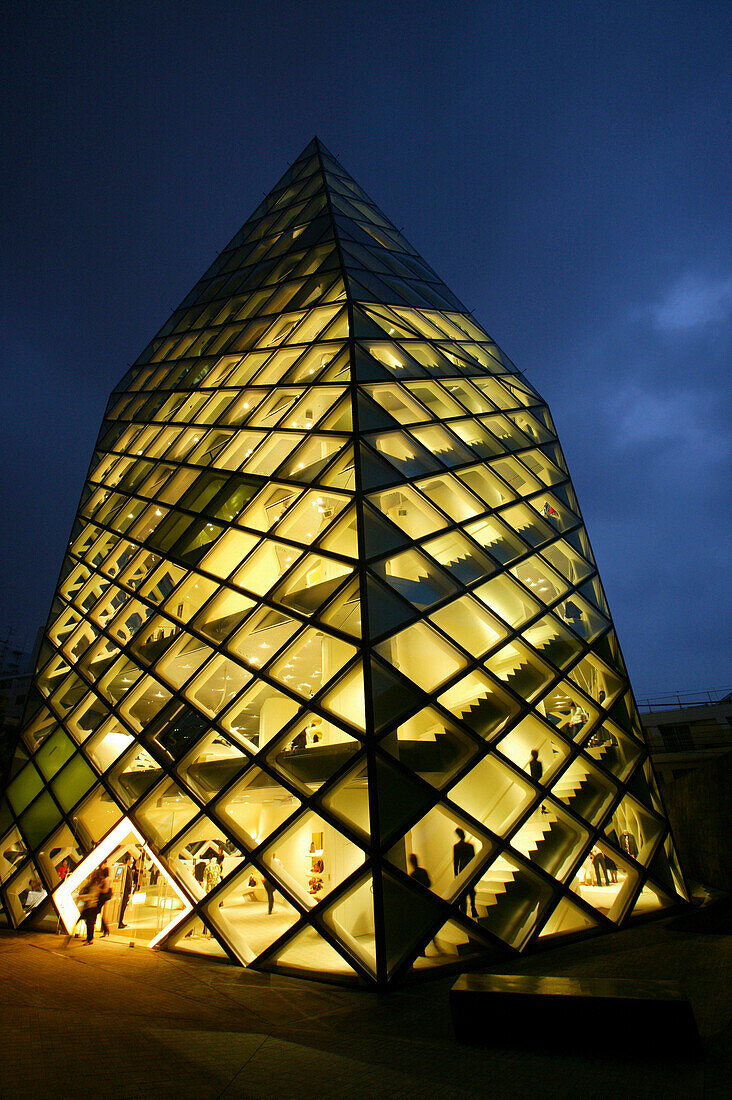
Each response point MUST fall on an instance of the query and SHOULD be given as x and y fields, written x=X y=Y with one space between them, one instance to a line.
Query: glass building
x=329 y=684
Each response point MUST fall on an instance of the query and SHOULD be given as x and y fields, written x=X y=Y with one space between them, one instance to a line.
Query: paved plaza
x=111 y=1021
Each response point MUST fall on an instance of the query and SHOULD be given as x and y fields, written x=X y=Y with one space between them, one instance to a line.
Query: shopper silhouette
x=536 y=770
x=105 y=894
x=577 y=718
x=128 y=878
x=418 y=873
x=88 y=903
x=535 y=766
x=270 y=891
x=600 y=867
x=462 y=854
x=611 y=869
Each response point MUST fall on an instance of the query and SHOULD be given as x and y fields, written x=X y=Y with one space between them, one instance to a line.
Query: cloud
x=645 y=415
x=693 y=301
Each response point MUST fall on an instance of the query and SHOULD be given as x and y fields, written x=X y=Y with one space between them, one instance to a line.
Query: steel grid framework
x=329 y=634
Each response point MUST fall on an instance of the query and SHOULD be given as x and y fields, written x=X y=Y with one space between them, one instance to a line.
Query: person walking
x=536 y=770
x=105 y=895
x=611 y=869
x=418 y=873
x=577 y=719
x=88 y=903
x=421 y=876
x=600 y=867
x=535 y=766
x=462 y=854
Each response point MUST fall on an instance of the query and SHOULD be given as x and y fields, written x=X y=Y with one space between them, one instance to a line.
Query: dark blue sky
x=563 y=166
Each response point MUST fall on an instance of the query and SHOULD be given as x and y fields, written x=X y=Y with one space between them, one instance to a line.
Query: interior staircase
x=437 y=756
x=410 y=465
x=579 y=789
x=446 y=455
x=493 y=885
x=558 y=650
x=533 y=834
x=518 y=673
x=609 y=755
x=505 y=900
x=313 y=469
x=421 y=591
x=309 y=598
x=531 y=533
x=482 y=713
x=499 y=547
x=464 y=566
x=546 y=840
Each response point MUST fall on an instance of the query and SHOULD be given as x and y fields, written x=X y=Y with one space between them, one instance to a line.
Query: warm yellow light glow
x=63 y=895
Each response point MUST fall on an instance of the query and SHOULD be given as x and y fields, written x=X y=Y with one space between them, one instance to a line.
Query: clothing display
x=213 y=874
x=628 y=844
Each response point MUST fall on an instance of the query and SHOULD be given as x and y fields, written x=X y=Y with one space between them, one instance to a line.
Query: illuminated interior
x=329 y=663
x=152 y=903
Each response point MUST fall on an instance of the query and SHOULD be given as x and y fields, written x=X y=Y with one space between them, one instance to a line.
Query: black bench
x=648 y=1017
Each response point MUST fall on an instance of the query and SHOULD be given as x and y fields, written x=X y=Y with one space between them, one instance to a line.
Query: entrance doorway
x=145 y=899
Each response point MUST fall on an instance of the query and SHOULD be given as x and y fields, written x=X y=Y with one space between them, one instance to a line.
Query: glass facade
x=329 y=684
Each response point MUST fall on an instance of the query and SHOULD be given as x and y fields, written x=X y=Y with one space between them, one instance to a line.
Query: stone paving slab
x=109 y=1021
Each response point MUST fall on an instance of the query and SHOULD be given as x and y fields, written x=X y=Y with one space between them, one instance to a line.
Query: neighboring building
x=16 y=677
x=329 y=658
x=690 y=738
x=13 y=659
x=687 y=730
x=13 y=692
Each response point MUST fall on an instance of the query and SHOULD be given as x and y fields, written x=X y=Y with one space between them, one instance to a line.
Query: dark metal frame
x=331 y=223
